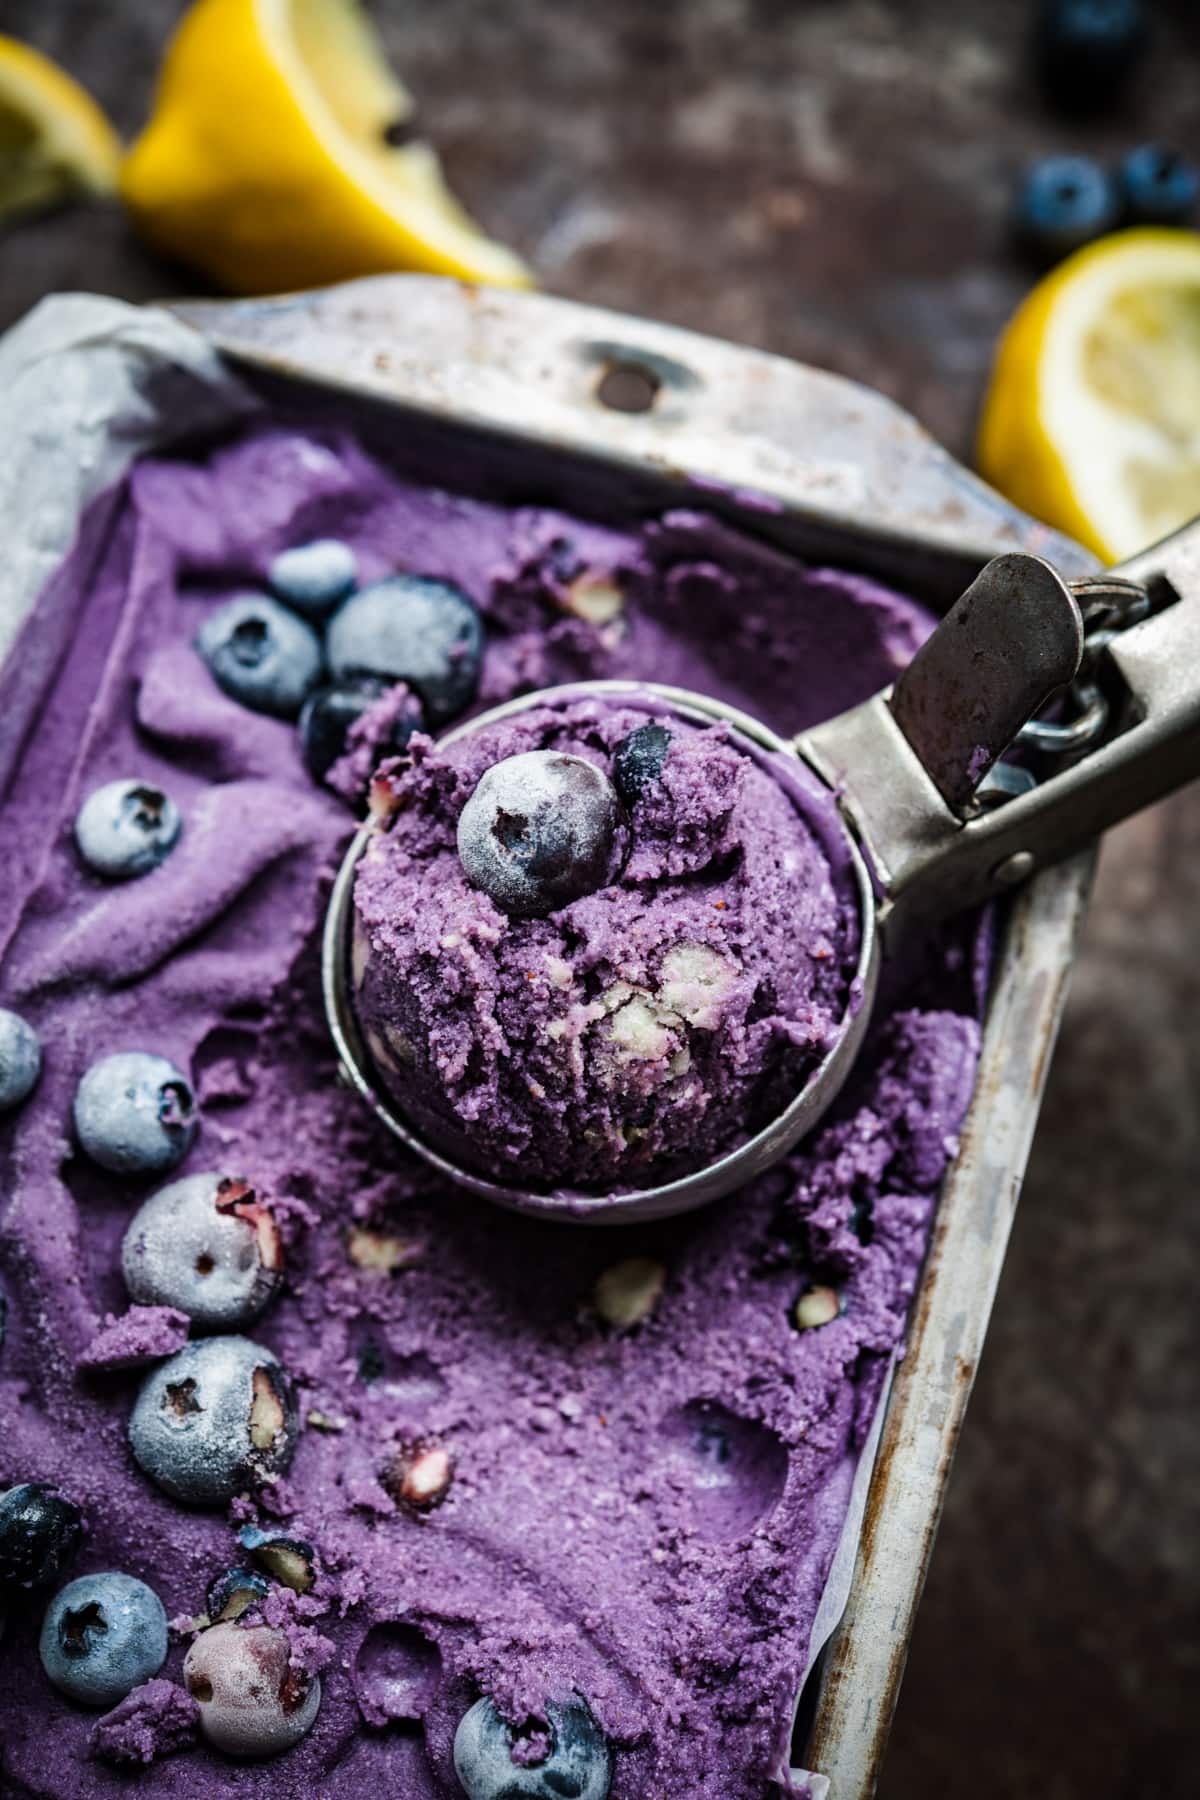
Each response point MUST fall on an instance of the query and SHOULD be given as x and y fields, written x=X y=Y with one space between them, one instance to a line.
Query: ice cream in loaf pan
x=645 y=1444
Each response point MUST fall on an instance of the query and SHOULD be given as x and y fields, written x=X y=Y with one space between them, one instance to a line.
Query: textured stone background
x=832 y=181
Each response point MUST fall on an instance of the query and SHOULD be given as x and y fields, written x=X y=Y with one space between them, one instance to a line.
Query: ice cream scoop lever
x=937 y=815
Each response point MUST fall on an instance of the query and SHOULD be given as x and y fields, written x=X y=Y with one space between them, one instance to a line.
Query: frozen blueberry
x=20 y=1059
x=567 y=1756
x=1065 y=202
x=252 y=1701
x=540 y=830
x=288 y=1560
x=3 y=1317
x=39 y=1534
x=1088 y=49
x=638 y=760
x=126 y=828
x=102 y=1636
x=208 y=1246
x=261 y=654
x=214 y=1419
x=1159 y=186
x=135 y=1114
x=314 y=577
x=414 y=629
x=331 y=711
x=234 y=1593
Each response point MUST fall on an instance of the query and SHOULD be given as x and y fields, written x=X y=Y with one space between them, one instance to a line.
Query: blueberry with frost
x=135 y=1113
x=214 y=1420
x=541 y=830
x=264 y=656
x=314 y=577
x=20 y=1059
x=102 y=1636
x=415 y=629
x=566 y=1754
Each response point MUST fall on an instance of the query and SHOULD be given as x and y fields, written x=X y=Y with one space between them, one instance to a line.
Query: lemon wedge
x=272 y=159
x=54 y=140
x=1092 y=419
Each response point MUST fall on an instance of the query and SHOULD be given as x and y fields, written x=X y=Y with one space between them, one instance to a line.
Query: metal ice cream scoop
x=935 y=819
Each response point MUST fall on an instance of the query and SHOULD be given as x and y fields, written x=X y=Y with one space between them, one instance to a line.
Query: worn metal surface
x=1015 y=637
x=853 y=474
x=337 y=337
x=933 y=862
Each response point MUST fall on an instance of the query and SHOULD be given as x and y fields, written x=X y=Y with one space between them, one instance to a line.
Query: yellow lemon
x=54 y=140
x=1092 y=419
x=270 y=160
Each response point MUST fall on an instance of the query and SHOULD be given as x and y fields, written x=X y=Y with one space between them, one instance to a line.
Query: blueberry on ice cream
x=135 y=1113
x=40 y=1529
x=215 y=1418
x=565 y=1754
x=103 y=1635
x=20 y=1059
x=414 y=629
x=540 y=830
x=252 y=1701
x=262 y=654
x=208 y=1246
x=562 y=991
x=126 y=828
x=313 y=577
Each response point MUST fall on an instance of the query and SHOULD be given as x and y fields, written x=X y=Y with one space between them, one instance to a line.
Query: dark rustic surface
x=831 y=181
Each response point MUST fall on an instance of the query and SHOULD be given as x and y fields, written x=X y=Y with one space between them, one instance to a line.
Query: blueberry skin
x=1087 y=50
x=1064 y=203
x=214 y=1419
x=541 y=830
x=183 y=1249
x=20 y=1059
x=331 y=711
x=135 y=1113
x=412 y=628
x=233 y=1593
x=261 y=654
x=638 y=761
x=40 y=1530
x=1159 y=186
x=252 y=1701
x=288 y=1560
x=127 y=828
x=102 y=1636
x=314 y=577
x=578 y=1767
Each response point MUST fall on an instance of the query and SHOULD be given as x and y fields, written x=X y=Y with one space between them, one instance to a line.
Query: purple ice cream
x=639 y=1029
x=535 y=1464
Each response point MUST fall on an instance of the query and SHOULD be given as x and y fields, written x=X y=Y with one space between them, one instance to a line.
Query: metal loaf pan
x=513 y=393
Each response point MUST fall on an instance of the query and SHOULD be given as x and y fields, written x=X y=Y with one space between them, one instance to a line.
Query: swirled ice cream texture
x=644 y=1514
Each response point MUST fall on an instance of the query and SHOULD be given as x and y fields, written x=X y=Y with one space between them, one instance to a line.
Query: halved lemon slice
x=1092 y=420
x=54 y=140
x=272 y=161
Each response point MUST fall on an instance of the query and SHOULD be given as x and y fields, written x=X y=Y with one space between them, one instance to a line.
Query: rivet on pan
x=1014 y=868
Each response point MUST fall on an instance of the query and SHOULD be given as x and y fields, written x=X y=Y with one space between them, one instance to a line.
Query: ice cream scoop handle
x=906 y=767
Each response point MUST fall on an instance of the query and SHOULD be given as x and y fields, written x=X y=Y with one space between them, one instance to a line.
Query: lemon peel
x=1092 y=418
x=55 y=142
x=270 y=161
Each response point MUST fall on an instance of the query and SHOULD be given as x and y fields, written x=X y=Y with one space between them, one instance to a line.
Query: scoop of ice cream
x=670 y=1007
